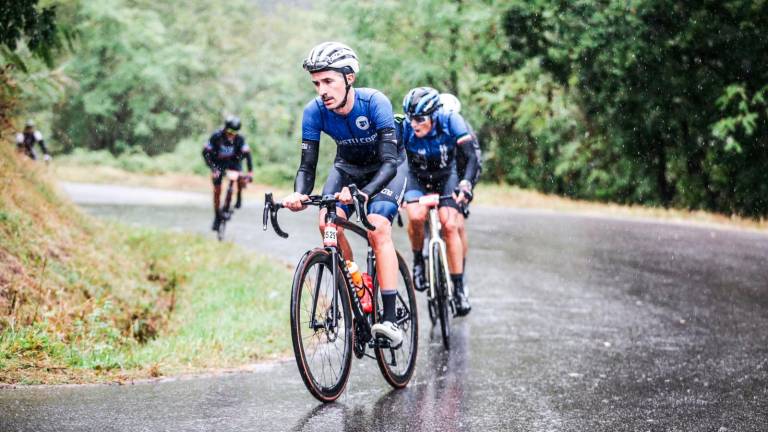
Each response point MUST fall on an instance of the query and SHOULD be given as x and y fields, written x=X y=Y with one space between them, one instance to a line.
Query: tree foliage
x=22 y=22
x=659 y=102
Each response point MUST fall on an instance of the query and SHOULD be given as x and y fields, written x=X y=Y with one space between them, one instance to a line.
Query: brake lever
x=361 y=217
x=270 y=210
x=268 y=203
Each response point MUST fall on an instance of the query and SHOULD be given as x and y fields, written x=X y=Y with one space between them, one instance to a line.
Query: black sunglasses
x=419 y=119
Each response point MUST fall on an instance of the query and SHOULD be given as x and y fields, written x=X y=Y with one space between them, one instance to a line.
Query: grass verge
x=86 y=301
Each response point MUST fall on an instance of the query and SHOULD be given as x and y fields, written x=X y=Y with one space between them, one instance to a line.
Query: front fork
x=435 y=239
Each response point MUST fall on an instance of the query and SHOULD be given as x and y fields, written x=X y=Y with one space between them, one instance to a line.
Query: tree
x=648 y=75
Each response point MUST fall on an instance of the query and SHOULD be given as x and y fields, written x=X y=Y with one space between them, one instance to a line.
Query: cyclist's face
x=421 y=126
x=330 y=86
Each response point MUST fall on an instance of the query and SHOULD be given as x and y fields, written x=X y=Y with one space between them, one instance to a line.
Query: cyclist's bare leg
x=216 y=199
x=417 y=214
x=463 y=234
x=241 y=184
x=448 y=216
x=384 y=249
x=341 y=238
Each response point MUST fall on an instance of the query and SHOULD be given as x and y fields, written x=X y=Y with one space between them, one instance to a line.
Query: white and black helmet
x=332 y=56
x=450 y=102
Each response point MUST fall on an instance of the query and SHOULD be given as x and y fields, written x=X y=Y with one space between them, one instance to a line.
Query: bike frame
x=435 y=239
x=362 y=330
x=332 y=220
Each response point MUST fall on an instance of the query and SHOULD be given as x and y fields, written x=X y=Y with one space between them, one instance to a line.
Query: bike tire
x=399 y=372
x=222 y=230
x=441 y=297
x=314 y=350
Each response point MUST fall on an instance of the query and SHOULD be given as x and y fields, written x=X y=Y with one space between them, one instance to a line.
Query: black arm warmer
x=388 y=158
x=305 y=177
x=468 y=148
x=248 y=160
x=208 y=157
x=42 y=146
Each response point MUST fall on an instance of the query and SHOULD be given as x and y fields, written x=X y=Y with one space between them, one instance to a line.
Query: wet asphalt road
x=579 y=323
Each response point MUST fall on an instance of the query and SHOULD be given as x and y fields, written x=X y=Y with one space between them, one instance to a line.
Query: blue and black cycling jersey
x=222 y=154
x=366 y=146
x=434 y=155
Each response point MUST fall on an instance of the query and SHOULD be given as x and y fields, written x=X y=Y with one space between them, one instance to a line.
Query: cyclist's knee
x=448 y=220
x=416 y=213
x=382 y=235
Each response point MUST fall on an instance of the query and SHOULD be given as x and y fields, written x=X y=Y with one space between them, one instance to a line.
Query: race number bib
x=329 y=235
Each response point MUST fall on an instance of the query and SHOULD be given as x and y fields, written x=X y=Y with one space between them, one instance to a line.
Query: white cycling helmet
x=332 y=56
x=450 y=102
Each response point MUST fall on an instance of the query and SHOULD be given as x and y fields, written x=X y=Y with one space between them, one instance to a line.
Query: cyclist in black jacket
x=451 y=103
x=225 y=150
x=26 y=140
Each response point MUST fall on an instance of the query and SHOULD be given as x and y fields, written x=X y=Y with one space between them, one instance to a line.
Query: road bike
x=226 y=211
x=440 y=304
x=328 y=321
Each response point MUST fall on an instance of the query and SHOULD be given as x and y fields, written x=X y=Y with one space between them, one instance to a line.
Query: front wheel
x=441 y=296
x=397 y=365
x=321 y=326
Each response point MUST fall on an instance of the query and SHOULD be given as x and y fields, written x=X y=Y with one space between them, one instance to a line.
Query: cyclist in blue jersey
x=360 y=121
x=431 y=137
x=225 y=150
x=451 y=103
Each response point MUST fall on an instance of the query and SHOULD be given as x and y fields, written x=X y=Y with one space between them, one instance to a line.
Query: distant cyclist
x=225 y=150
x=432 y=137
x=360 y=121
x=452 y=104
x=26 y=140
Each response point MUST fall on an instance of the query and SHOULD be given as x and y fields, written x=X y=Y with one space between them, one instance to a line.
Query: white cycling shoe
x=390 y=331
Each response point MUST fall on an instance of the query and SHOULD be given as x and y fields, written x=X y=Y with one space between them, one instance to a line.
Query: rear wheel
x=441 y=296
x=321 y=326
x=222 y=229
x=397 y=365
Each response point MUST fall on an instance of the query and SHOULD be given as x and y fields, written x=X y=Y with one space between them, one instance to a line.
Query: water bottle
x=357 y=276
x=358 y=279
x=367 y=300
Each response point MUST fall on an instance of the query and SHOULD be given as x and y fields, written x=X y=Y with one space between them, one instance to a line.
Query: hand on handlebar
x=294 y=201
x=215 y=174
x=463 y=193
x=345 y=196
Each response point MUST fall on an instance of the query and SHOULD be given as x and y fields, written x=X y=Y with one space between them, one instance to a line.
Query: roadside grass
x=491 y=194
x=83 y=300
x=231 y=307
x=210 y=305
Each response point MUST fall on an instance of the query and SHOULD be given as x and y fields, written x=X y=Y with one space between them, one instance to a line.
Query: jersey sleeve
x=311 y=123
x=19 y=138
x=38 y=136
x=381 y=111
x=457 y=126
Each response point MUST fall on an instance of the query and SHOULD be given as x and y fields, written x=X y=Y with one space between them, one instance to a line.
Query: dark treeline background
x=657 y=102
